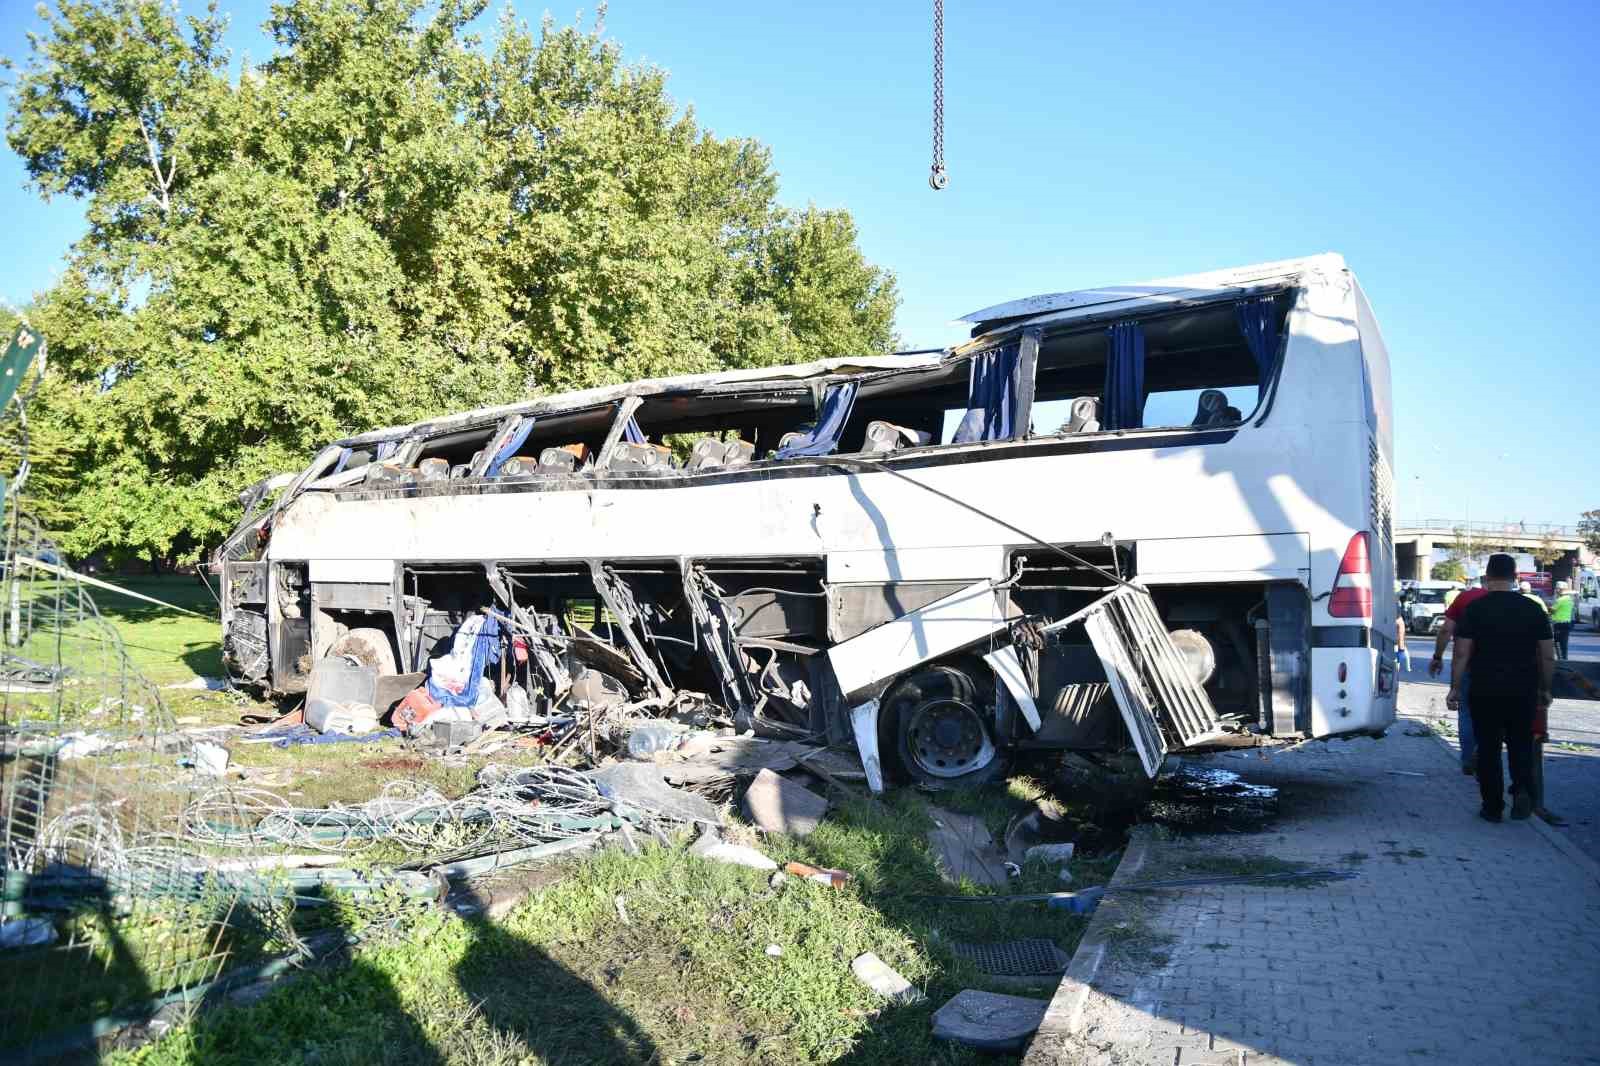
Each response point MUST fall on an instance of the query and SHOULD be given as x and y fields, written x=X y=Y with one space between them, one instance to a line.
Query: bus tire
x=369 y=647
x=943 y=732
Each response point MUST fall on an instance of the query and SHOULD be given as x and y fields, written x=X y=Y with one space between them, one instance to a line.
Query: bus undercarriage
x=936 y=681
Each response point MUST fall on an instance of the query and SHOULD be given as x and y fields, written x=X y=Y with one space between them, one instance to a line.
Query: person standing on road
x=1561 y=615
x=1402 y=657
x=1507 y=645
x=1463 y=709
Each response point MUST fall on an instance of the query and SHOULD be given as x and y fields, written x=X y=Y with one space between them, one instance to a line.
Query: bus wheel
x=943 y=733
x=369 y=647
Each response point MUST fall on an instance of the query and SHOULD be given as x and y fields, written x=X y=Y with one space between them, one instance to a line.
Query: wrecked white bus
x=911 y=554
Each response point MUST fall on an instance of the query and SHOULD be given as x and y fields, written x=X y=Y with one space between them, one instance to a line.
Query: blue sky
x=1448 y=151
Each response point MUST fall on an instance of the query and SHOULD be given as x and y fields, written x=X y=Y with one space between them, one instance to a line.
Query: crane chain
x=937 y=178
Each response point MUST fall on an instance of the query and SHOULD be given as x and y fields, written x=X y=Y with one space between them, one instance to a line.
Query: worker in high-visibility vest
x=1561 y=614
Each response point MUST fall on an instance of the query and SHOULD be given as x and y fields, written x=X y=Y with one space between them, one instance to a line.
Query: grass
x=564 y=980
x=164 y=645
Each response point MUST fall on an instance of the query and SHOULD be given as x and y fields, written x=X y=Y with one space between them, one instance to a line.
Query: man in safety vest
x=1561 y=615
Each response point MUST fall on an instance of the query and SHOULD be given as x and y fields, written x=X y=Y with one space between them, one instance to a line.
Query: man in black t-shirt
x=1508 y=642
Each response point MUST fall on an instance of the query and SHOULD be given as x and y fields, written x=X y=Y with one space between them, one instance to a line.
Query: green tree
x=35 y=432
x=381 y=223
x=1547 y=551
x=1589 y=530
x=1449 y=570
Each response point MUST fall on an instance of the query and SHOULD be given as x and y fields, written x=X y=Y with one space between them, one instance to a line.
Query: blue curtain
x=386 y=449
x=344 y=459
x=631 y=432
x=991 y=397
x=518 y=437
x=1123 y=403
x=1258 y=321
x=824 y=436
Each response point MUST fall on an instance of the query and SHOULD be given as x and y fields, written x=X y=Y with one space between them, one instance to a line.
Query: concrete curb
x=1549 y=832
x=1064 y=1017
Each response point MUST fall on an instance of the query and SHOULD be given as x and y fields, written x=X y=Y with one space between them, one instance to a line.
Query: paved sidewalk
x=1571 y=759
x=1459 y=942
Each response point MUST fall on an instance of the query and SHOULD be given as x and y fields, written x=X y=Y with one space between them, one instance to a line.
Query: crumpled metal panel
x=1160 y=701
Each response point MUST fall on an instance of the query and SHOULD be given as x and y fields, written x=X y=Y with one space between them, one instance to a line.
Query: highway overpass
x=1415 y=541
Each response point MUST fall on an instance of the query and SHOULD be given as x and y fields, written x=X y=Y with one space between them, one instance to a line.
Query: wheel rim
x=946 y=738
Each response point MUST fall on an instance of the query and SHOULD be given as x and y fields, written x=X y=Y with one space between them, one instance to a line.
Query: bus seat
x=519 y=466
x=794 y=436
x=460 y=470
x=384 y=474
x=739 y=453
x=1213 y=408
x=558 y=461
x=708 y=453
x=642 y=458
x=888 y=437
x=433 y=470
x=1083 y=416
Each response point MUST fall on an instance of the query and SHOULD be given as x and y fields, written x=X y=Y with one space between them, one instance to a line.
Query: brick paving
x=1458 y=942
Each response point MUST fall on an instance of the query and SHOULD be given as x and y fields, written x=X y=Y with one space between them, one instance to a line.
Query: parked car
x=1425 y=602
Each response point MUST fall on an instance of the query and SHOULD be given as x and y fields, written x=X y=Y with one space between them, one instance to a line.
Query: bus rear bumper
x=1363 y=701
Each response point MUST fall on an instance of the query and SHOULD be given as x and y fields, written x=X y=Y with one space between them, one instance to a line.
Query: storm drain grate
x=1015 y=958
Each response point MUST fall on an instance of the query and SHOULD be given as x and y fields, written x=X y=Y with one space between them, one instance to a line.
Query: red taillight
x=1352 y=585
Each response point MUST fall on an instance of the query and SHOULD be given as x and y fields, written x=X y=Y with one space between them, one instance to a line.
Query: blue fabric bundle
x=485 y=653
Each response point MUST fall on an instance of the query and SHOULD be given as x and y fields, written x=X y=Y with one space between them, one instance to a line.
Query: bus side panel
x=1328 y=387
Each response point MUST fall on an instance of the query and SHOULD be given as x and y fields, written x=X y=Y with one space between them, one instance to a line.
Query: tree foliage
x=1449 y=570
x=1589 y=530
x=1547 y=551
x=382 y=222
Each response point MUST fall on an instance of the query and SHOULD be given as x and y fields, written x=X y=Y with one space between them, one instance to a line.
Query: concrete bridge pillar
x=1424 y=563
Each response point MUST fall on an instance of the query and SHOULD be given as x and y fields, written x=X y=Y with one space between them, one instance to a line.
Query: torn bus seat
x=433 y=470
x=887 y=437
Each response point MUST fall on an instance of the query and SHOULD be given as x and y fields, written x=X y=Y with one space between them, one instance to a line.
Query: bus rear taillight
x=1352 y=586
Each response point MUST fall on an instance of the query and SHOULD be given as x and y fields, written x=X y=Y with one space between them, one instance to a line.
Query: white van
x=1423 y=605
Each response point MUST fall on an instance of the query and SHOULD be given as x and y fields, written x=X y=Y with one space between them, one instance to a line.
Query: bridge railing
x=1493 y=529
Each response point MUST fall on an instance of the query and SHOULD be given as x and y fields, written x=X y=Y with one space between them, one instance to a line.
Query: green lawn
x=687 y=978
x=166 y=646
x=170 y=648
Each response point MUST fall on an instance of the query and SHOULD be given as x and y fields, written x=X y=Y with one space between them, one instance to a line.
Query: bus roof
x=1061 y=306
